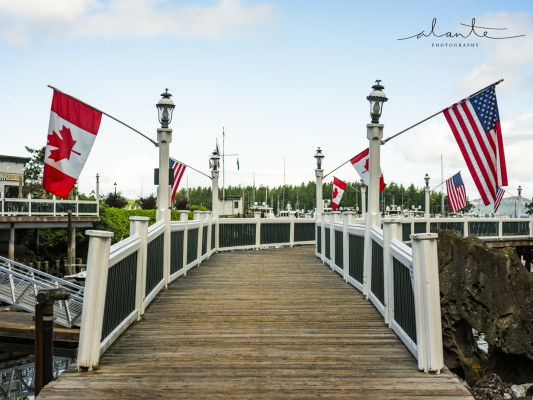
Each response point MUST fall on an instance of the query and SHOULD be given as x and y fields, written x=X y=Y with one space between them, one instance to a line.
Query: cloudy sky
x=281 y=78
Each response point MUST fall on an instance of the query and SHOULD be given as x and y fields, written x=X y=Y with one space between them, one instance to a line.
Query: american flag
x=499 y=196
x=475 y=123
x=455 y=189
x=178 y=169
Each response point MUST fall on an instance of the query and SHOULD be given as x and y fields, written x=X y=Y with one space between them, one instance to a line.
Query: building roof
x=13 y=159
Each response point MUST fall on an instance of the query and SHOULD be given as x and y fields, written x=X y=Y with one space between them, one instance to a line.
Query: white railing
x=47 y=207
x=124 y=278
x=402 y=282
x=485 y=228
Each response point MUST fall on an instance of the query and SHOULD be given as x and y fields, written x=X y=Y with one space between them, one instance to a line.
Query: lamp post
x=519 y=211
x=319 y=173
x=165 y=107
x=214 y=183
x=374 y=133
x=115 y=188
x=426 y=178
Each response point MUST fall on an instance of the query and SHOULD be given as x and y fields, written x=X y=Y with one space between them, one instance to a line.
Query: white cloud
x=22 y=22
x=509 y=59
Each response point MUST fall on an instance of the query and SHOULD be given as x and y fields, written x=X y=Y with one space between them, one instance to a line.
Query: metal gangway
x=19 y=285
x=17 y=382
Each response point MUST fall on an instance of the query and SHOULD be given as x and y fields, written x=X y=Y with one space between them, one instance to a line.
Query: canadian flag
x=360 y=163
x=71 y=134
x=338 y=190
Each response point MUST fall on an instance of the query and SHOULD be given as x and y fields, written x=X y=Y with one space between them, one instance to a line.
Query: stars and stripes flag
x=71 y=133
x=178 y=169
x=475 y=123
x=499 y=196
x=361 y=162
x=455 y=189
x=338 y=190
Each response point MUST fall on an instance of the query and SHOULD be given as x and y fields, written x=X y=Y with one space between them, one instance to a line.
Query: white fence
x=402 y=282
x=47 y=207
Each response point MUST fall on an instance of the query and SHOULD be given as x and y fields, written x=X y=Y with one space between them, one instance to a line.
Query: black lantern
x=165 y=106
x=376 y=98
x=319 y=156
x=214 y=160
x=426 y=178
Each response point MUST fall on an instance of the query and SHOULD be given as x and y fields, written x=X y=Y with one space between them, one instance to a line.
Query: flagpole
x=103 y=112
x=329 y=173
x=194 y=169
x=437 y=113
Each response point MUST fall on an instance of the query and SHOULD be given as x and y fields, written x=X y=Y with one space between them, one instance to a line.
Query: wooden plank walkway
x=270 y=324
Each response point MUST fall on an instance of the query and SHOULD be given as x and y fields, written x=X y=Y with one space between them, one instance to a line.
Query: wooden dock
x=270 y=324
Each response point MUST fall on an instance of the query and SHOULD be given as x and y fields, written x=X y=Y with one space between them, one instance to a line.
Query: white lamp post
x=374 y=133
x=426 y=178
x=214 y=183
x=319 y=173
x=165 y=106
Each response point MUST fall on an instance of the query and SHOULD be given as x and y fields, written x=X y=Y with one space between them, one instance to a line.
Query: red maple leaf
x=366 y=164
x=63 y=144
x=335 y=193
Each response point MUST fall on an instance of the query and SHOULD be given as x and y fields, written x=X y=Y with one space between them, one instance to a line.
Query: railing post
x=139 y=225
x=465 y=227
x=2 y=198
x=199 y=215
x=500 y=228
x=323 y=238
x=334 y=218
x=427 y=302
x=184 y=217
x=257 y=216
x=77 y=205
x=29 y=204
x=392 y=229
x=292 y=219
x=94 y=299
x=209 y=216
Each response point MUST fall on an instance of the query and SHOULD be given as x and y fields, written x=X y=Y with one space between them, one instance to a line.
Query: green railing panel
x=357 y=253
x=448 y=226
x=304 y=232
x=404 y=300
x=62 y=207
x=154 y=263
x=420 y=227
x=406 y=232
x=13 y=206
x=204 y=240
x=120 y=293
x=176 y=251
x=87 y=208
x=213 y=236
x=192 y=245
x=318 y=239
x=378 y=281
x=477 y=228
x=515 y=228
x=339 y=250
x=326 y=233
x=233 y=235
x=41 y=207
x=275 y=233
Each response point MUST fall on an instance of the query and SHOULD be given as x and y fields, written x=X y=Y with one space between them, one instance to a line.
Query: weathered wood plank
x=270 y=324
